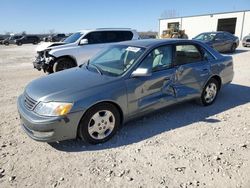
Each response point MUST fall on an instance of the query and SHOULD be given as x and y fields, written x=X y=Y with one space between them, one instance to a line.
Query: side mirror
x=84 y=41
x=141 y=72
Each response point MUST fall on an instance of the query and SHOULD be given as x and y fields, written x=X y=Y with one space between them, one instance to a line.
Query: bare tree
x=171 y=13
x=7 y=33
x=23 y=33
x=51 y=31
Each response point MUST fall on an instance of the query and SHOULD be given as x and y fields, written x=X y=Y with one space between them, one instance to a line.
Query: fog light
x=42 y=134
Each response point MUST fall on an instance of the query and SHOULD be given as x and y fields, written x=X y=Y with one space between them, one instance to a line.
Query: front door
x=152 y=92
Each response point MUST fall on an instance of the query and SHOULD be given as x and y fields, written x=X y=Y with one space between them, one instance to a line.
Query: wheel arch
x=69 y=57
x=101 y=102
x=217 y=78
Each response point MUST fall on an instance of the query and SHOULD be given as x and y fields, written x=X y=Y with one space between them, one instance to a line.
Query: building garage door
x=228 y=25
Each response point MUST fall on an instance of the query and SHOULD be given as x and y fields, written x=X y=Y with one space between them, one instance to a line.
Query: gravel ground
x=185 y=145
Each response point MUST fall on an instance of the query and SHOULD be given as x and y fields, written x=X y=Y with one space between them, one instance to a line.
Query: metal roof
x=205 y=14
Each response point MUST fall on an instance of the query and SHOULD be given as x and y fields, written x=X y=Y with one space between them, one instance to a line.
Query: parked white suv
x=78 y=48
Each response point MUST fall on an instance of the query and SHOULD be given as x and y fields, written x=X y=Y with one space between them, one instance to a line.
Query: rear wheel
x=19 y=43
x=62 y=64
x=209 y=92
x=99 y=123
x=6 y=43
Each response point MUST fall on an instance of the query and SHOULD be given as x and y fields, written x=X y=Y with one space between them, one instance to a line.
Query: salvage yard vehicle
x=1 y=40
x=246 y=41
x=27 y=39
x=11 y=39
x=124 y=81
x=221 y=41
x=78 y=48
x=56 y=37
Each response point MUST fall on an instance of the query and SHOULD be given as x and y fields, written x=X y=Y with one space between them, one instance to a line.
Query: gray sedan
x=126 y=80
x=221 y=40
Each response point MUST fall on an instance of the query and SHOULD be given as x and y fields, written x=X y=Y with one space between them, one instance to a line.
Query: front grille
x=29 y=102
x=248 y=40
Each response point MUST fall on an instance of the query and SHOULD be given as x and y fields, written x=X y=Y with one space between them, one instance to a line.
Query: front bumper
x=38 y=63
x=244 y=43
x=48 y=129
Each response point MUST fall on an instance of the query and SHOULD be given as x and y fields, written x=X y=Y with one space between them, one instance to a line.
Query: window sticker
x=133 y=49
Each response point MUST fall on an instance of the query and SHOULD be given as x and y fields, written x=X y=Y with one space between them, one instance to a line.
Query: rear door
x=148 y=93
x=219 y=42
x=192 y=70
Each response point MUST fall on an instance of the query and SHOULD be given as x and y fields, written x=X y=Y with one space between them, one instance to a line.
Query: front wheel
x=209 y=92
x=99 y=123
x=62 y=64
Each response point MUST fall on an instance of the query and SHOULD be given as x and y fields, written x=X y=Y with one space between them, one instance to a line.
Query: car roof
x=216 y=32
x=105 y=29
x=146 y=43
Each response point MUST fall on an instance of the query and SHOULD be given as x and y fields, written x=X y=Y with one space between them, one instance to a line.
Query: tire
x=19 y=44
x=62 y=64
x=233 y=48
x=206 y=98
x=35 y=42
x=6 y=43
x=95 y=127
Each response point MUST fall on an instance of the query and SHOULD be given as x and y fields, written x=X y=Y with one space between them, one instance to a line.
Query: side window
x=118 y=36
x=95 y=37
x=187 y=54
x=111 y=36
x=159 y=59
x=219 y=36
x=125 y=35
x=228 y=36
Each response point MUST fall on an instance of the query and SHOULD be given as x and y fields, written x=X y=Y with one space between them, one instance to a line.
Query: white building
x=237 y=23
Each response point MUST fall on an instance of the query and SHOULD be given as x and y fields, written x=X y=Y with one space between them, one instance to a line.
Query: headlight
x=53 y=108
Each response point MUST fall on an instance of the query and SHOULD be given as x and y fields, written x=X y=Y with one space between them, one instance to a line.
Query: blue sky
x=34 y=16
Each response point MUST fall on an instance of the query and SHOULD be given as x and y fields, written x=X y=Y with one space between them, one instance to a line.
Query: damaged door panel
x=147 y=93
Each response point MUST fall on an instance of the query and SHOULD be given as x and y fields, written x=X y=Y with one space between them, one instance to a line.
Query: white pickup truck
x=78 y=48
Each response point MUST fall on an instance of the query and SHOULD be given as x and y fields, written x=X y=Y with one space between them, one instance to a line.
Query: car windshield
x=205 y=36
x=116 y=60
x=246 y=37
x=73 y=38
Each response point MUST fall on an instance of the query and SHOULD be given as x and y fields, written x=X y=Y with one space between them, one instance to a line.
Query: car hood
x=61 y=86
x=44 y=45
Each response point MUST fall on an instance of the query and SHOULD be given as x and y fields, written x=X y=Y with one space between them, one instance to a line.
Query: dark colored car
x=11 y=39
x=1 y=40
x=56 y=38
x=29 y=39
x=221 y=41
x=125 y=81
x=246 y=41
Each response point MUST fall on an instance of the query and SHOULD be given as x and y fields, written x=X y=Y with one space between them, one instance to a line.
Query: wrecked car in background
x=78 y=48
